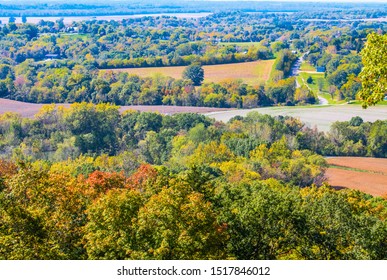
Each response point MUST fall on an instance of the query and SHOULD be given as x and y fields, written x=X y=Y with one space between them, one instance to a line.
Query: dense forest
x=53 y=62
x=90 y=183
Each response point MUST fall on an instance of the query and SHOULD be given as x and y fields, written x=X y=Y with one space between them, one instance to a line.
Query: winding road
x=295 y=71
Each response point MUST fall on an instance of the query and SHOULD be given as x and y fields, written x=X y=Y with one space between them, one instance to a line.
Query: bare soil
x=368 y=175
x=28 y=110
x=377 y=165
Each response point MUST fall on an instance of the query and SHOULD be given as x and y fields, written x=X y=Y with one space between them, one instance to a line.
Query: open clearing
x=368 y=175
x=252 y=73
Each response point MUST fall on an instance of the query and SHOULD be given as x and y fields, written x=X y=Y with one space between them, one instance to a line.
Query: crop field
x=320 y=116
x=22 y=108
x=28 y=110
x=368 y=175
x=253 y=73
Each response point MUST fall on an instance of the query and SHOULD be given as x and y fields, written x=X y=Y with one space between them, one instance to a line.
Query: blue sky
x=103 y=1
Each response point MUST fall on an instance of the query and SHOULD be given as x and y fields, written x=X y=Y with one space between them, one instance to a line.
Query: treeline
x=56 y=134
x=55 y=83
x=81 y=48
x=77 y=184
x=132 y=43
x=84 y=210
x=340 y=59
x=95 y=8
x=140 y=42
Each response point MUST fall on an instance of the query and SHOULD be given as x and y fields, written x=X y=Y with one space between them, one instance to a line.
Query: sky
x=128 y=1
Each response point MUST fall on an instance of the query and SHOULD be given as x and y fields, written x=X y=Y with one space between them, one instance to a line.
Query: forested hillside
x=89 y=183
x=87 y=180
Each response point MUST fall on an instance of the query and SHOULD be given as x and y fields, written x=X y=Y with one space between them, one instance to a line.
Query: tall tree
x=374 y=73
x=195 y=73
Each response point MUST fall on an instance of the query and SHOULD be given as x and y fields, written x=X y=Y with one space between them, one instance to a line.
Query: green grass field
x=252 y=73
x=302 y=78
x=315 y=84
x=306 y=66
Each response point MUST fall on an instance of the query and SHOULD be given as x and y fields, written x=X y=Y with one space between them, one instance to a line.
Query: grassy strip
x=355 y=169
x=314 y=86
x=306 y=66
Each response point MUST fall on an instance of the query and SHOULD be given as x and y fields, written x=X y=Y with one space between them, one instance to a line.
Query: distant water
x=70 y=19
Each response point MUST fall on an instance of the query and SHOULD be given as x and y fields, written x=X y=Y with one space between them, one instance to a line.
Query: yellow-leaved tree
x=374 y=73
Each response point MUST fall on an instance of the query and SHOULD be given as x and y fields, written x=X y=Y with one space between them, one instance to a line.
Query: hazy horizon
x=102 y=1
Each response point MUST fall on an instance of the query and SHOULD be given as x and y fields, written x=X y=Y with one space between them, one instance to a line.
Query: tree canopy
x=374 y=74
x=195 y=73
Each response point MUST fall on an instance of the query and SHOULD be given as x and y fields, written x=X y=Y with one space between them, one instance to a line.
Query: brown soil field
x=377 y=165
x=320 y=116
x=28 y=110
x=25 y=109
x=253 y=73
x=368 y=175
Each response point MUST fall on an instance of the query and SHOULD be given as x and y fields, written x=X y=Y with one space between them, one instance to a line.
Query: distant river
x=68 y=20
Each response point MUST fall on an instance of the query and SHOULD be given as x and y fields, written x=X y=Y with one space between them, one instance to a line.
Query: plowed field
x=253 y=73
x=28 y=110
x=368 y=175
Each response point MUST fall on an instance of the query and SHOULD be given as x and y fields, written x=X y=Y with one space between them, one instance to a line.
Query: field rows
x=253 y=73
x=368 y=175
x=320 y=116
x=28 y=110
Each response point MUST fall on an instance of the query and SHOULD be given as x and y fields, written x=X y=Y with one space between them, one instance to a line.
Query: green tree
x=374 y=74
x=262 y=221
x=109 y=231
x=195 y=73
x=350 y=88
x=178 y=223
